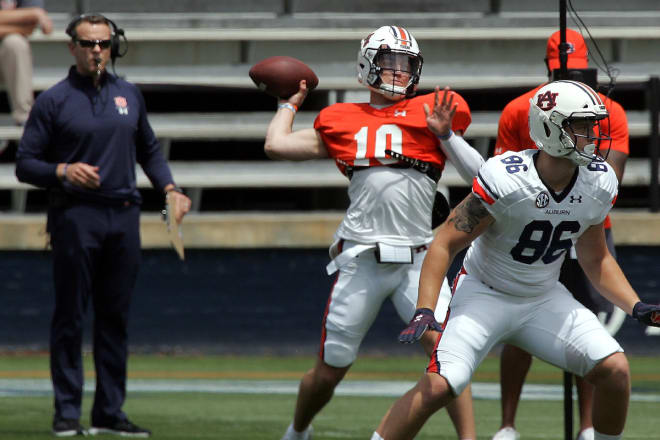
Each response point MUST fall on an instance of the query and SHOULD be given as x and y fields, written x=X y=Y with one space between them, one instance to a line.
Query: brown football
x=279 y=76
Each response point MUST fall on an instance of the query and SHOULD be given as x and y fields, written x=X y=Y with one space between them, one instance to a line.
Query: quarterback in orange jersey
x=513 y=135
x=391 y=151
x=358 y=134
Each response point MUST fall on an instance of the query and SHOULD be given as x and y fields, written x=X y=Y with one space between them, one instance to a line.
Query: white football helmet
x=390 y=48
x=555 y=107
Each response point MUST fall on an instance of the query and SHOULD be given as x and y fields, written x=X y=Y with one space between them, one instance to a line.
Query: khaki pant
x=16 y=75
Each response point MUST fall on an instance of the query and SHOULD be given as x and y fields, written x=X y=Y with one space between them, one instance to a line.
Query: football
x=279 y=76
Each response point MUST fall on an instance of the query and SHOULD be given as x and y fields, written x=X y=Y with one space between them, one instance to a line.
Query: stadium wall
x=261 y=301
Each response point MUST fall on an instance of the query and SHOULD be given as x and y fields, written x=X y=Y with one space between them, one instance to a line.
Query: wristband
x=288 y=105
x=66 y=165
x=447 y=136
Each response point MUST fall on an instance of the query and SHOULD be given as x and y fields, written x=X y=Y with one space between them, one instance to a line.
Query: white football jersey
x=389 y=205
x=521 y=253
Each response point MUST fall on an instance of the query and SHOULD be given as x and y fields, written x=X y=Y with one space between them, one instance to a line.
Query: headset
x=116 y=35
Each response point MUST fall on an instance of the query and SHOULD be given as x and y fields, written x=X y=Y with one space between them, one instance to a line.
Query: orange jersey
x=513 y=128
x=359 y=134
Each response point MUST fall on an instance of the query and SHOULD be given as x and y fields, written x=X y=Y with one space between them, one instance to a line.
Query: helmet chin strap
x=585 y=157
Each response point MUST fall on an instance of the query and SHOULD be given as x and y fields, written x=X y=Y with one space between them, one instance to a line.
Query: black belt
x=58 y=198
x=404 y=162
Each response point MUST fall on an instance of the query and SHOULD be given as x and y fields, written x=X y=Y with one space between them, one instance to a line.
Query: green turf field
x=256 y=415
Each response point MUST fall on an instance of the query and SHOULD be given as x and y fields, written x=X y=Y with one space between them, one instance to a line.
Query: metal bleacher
x=479 y=47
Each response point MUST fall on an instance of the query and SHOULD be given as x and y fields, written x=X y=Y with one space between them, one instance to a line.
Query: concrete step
x=283 y=7
x=253 y=125
x=351 y=20
x=277 y=174
x=170 y=6
x=342 y=76
x=242 y=174
x=482 y=48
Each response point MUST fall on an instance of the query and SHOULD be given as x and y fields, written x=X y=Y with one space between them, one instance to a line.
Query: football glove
x=422 y=320
x=648 y=314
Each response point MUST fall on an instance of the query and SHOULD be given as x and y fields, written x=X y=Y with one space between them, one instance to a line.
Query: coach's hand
x=178 y=202
x=648 y=314
x=82 y=174
x=423 y=319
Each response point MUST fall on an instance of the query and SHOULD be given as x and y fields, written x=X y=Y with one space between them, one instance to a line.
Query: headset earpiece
x=115 y=39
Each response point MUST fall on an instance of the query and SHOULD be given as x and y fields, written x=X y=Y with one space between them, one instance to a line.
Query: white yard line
x=487 y=391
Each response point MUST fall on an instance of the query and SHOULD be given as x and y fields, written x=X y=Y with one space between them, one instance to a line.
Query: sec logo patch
x=542 y=200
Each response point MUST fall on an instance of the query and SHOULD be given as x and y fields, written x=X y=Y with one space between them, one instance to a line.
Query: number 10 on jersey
x=384 y=132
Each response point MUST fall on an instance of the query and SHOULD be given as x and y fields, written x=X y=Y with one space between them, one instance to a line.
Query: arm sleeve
x=465 y=159
x=31 y=162
x=149 y=154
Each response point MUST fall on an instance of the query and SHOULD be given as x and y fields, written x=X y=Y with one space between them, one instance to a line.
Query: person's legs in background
x=16 y=71
x=514 y=365
x=16 y=75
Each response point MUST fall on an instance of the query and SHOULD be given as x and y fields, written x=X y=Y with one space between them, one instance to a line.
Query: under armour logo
x=577 y=199
x=401 y=113
x=547 y=101
x=419 y=317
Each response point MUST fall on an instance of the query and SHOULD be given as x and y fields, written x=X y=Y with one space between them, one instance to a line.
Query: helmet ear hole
x=547 y=129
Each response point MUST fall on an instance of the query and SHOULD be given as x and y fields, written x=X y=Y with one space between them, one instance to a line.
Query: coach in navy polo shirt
x=82 y=141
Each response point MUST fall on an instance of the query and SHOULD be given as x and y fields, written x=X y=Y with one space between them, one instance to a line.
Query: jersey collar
x=562 y=195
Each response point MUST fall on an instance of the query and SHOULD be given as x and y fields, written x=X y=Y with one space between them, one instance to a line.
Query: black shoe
x=67 y=428
x=123 y=428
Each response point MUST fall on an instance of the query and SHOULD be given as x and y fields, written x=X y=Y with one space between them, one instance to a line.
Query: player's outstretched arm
x=284 y=143
x=465 y=159
x=602 y=269
x=465 y=223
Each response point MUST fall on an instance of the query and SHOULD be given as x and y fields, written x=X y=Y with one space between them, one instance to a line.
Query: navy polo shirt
x=74 y=121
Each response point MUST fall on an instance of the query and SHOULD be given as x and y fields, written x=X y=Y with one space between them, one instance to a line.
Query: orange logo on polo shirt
x=121 y=104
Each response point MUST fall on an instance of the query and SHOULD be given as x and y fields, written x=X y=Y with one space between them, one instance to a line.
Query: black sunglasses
x=90 y=44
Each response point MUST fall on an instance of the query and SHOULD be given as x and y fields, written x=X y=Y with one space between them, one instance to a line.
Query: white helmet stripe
x=595 y=99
